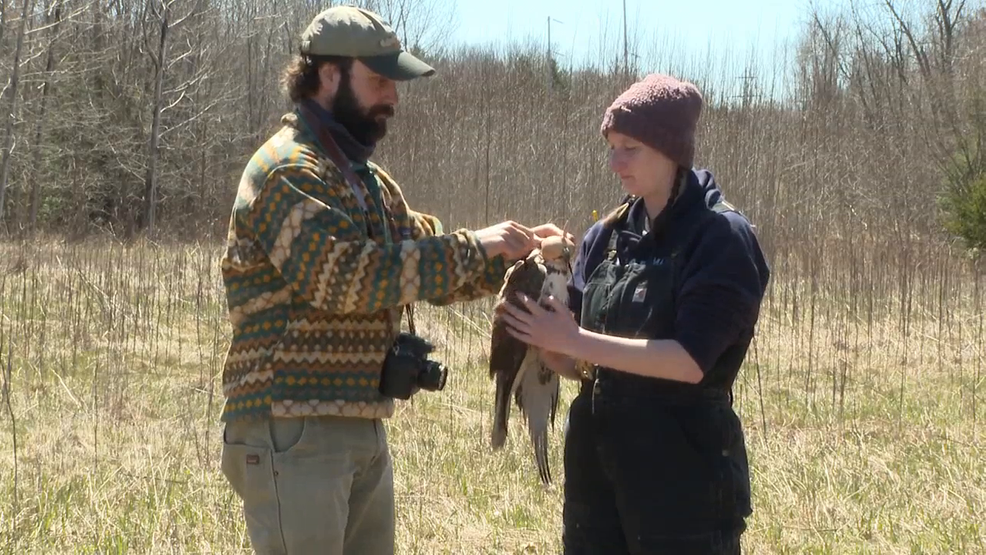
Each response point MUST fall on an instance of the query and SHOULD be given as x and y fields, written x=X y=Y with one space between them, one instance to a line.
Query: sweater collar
x=353 y=149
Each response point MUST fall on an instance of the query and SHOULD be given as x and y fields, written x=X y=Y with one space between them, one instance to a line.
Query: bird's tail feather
x=539 y=439
x=501 y=411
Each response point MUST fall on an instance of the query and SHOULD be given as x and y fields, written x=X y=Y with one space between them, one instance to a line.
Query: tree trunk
x=45 y=91
x=150 y=184
x=11 y=114
x=3 y=18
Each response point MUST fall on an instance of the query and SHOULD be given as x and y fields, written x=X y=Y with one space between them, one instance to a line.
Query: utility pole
x=626 y=65
x=551 y=76
x=547 y=62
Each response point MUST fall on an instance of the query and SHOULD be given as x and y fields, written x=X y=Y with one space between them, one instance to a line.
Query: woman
x=666 y=291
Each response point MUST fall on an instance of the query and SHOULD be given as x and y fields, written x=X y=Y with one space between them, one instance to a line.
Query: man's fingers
x=518 y=240
x=523 y=245
x=549 y=230
x=517 y=246
x=524 y=230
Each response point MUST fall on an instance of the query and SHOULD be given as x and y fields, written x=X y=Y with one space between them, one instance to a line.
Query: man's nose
x=390 y=95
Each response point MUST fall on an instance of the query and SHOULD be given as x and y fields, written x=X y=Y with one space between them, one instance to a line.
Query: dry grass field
x=864 y=432
x=862 y=397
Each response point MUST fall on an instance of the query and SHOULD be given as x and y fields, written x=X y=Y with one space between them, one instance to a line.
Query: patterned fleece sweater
x=315 y=289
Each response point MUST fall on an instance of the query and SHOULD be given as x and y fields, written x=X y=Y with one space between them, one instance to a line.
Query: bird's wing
x=506 y=351
x=537 y=393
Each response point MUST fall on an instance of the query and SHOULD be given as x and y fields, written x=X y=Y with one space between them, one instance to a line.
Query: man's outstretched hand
x=544 y=231
x=510 y=239
x=515 y=241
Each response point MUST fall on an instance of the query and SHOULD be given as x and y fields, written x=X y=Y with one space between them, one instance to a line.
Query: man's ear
x=330 y=77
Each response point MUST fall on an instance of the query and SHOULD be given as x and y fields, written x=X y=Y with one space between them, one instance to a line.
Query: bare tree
x=53 y=17
x=26 y=8
x=420 y=24
x=162 y=10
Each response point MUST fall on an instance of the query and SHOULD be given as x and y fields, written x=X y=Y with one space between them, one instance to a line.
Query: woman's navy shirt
x=722 y=277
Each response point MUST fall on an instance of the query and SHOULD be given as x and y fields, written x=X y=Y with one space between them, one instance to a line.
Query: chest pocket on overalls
x=631 y=295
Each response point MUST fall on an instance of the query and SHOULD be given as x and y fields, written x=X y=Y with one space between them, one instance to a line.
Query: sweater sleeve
x=723 y=284
x=319 y=251
x=482 y=284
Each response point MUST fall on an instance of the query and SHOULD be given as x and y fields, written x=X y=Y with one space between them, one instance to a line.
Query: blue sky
x=710 y=39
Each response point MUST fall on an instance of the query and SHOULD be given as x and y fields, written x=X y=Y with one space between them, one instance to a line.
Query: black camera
x=408 y=369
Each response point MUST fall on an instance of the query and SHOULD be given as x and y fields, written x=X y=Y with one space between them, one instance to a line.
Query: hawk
x=516 y=366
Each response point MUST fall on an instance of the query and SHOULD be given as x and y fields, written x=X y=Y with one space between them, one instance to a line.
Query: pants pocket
x=249 y=471
x=285 y=433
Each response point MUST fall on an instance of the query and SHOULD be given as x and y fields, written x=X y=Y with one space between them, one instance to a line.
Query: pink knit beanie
x=661 y=112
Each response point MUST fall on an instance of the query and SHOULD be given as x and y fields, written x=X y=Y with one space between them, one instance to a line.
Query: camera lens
x=433 y=376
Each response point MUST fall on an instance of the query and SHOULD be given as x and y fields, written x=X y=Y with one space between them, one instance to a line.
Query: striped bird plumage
x=517 y=368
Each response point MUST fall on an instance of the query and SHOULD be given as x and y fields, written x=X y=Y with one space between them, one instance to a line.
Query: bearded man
x=322 y=255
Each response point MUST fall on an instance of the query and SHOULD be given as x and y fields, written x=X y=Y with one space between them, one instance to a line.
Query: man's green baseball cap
x=358 y=33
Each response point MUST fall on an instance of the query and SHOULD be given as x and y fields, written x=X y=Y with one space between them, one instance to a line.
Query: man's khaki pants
x=319 y=484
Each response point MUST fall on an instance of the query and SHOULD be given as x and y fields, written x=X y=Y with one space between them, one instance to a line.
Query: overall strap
x=722 y=206
x=615 y=219
x=611 y=245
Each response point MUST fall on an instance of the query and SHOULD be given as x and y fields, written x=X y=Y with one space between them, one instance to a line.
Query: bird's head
x=557 y=249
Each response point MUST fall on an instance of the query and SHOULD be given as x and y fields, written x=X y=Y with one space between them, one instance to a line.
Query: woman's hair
x=300 y=79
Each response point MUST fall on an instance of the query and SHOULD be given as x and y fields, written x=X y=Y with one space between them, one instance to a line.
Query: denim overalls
x=652 y=466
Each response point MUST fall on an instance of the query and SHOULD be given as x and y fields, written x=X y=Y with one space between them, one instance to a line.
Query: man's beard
x=363 y=126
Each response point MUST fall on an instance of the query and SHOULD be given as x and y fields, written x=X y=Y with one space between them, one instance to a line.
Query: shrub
x=964 y=202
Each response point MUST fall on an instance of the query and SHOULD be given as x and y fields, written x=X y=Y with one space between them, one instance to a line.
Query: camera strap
x=355 y=183
x=409 y=309
x=335 y=154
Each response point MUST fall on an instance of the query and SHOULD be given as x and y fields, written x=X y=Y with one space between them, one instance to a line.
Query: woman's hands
x=552 y=329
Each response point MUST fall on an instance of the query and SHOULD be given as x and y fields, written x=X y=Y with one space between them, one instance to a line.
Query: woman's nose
x=616 y=161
